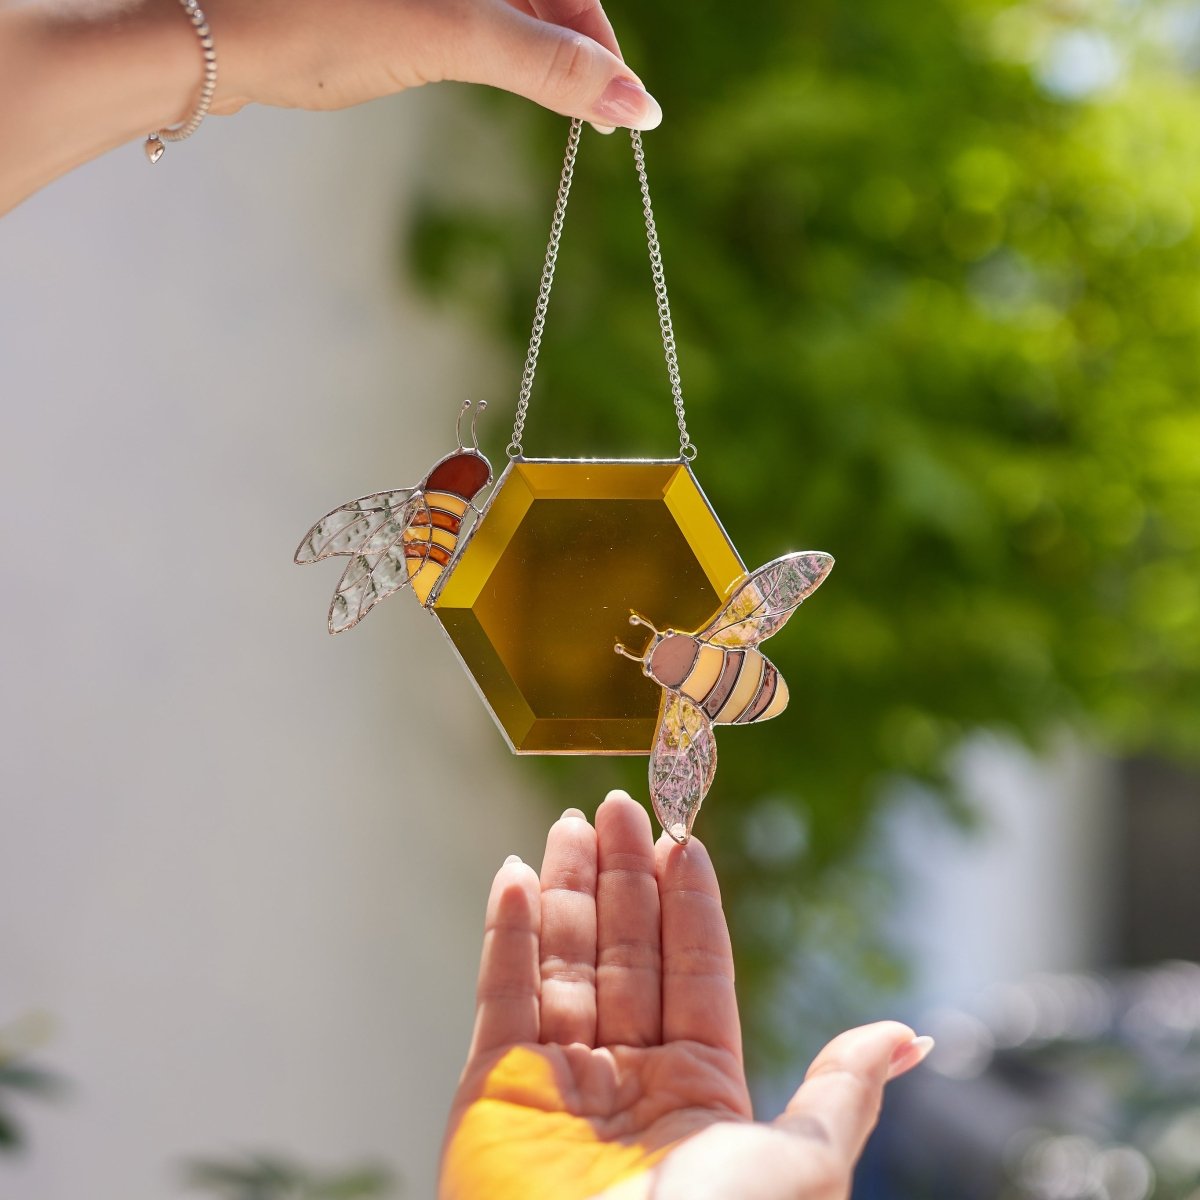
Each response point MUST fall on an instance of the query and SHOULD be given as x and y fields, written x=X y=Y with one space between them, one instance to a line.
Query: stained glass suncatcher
x=543 y=589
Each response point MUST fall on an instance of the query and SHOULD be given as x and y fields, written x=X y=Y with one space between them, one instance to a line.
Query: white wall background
x=242 y=864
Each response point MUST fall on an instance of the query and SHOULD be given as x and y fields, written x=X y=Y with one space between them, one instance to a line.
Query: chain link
x=687 y=451
x=543 y=299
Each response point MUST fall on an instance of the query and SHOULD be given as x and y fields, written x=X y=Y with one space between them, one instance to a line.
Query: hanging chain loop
x=687 y=451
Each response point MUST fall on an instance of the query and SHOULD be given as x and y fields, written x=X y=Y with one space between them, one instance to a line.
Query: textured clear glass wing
x=683 y=763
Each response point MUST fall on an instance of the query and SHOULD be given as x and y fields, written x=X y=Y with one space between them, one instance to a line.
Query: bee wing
x=763 y=603
x=682 y=764
x=349 y=529
x=379 y=569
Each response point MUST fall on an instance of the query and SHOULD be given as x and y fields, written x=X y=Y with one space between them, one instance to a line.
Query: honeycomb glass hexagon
x=544 y=585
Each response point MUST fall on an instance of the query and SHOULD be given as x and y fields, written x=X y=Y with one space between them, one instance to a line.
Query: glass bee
x=718 y=677
x=402 y=538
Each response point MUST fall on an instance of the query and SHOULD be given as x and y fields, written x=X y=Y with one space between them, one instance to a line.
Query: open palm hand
x=607 y=1057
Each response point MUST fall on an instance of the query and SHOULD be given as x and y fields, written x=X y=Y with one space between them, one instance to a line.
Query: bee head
x=660 y=658
x=670 y=658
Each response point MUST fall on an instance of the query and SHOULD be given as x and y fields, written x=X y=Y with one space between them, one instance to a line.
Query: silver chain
x=543 y=299
x=687 y=451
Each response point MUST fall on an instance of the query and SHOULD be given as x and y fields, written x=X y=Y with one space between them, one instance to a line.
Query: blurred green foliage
x=18 y=1080
x=935 y=273
x=269 y=1177
x=22 y=1079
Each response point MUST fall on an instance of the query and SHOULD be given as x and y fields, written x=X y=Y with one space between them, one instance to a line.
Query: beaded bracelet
x=154 y=145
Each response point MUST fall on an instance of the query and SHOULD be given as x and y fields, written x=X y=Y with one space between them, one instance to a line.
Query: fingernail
x=604 y=129
x=623 y=102
x=617 y=794
x=909 y=1055
x=512 y=858
x=573 y=812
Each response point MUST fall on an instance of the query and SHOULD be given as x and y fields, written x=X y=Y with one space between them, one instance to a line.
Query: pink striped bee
x=718 y=677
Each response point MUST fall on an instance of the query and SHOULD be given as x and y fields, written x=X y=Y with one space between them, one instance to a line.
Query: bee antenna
x=474 y=419
x=625 y=652
x=458 y=424
x=636 y=618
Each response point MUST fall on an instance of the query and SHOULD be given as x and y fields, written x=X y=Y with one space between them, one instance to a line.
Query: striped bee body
x=430 y=540
x=730 y=686
x=431 y=537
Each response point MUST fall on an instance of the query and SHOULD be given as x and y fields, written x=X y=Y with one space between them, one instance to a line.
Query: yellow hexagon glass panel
x=543 y=589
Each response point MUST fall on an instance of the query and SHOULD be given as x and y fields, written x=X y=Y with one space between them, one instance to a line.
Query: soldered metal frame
x=514 y=575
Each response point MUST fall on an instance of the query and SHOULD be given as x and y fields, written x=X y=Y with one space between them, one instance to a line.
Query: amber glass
x=544 y=586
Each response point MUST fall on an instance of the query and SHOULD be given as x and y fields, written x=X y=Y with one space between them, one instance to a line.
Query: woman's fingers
x=568 y=949
x=838 y=1102
x=561 y=54
x=699 y=1003
x=587 y=18
x=628 y=955
x=558 y=67
x=506 y=1001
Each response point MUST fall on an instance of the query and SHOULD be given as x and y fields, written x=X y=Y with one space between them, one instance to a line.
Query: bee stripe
x=706 y=669
x=439 y=554
x=439 y=519
x=720 y=691
x=423 y=574
x=456 y=506
x=424 y=536
x=766 y=693
x=748 y=682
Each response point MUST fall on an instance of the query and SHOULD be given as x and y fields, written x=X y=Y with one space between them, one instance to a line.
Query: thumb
x=841 y=1095
x=558 y=68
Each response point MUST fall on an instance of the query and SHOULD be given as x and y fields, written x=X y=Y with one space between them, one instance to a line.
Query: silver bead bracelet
x=155 y=143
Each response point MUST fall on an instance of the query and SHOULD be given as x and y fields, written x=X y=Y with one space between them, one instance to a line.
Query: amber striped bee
x=402 y=538
x=718 y=677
